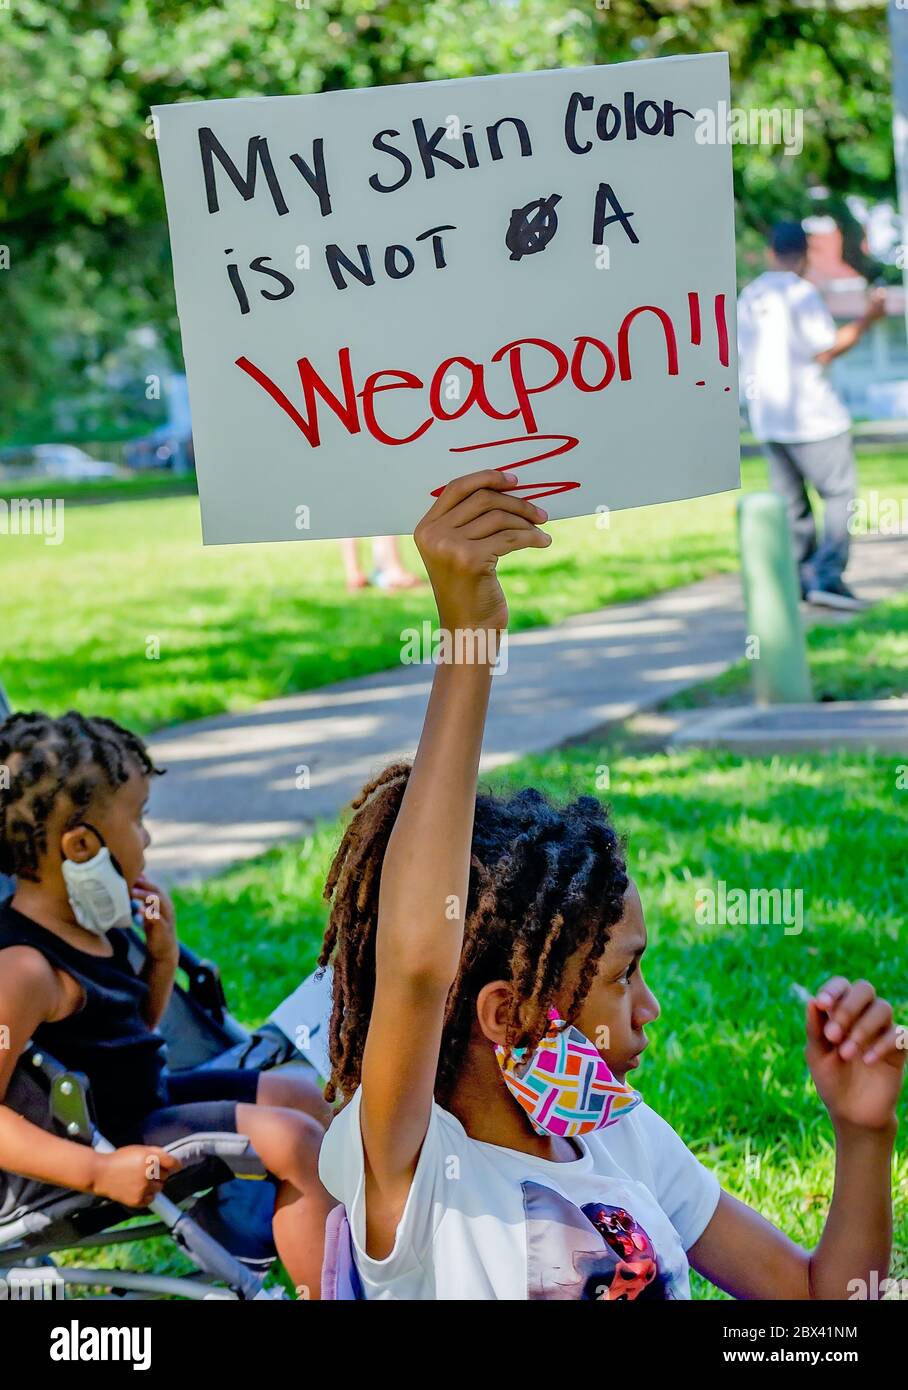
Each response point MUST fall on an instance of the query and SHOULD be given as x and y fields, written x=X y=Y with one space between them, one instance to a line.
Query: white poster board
x=381 y=289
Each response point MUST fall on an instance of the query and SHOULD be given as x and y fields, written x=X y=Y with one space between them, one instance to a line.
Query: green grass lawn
x=153 y=483
x=863 y=659
x=725 y=1065
x=239 y=624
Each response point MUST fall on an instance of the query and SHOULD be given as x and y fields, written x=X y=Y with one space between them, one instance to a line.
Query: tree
x=81 y=206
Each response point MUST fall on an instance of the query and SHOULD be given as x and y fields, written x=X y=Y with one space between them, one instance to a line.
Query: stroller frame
x=77 y=1221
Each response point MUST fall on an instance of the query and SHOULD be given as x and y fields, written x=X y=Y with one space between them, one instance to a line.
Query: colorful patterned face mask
x=565 y=1086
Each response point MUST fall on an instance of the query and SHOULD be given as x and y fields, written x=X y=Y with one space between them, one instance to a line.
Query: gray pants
x=828 y=465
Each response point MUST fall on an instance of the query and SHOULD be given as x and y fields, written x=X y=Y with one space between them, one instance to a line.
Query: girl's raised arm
x=427 y=863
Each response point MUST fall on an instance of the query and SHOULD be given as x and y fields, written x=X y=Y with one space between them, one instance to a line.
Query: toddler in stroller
x=71 y=835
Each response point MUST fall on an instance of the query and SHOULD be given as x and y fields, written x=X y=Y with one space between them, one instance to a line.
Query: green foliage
x=81 y=207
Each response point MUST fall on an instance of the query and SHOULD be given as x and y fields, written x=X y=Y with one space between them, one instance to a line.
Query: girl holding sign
x=489 y=1005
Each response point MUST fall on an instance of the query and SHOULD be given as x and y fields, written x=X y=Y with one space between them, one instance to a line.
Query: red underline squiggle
x=564 y=446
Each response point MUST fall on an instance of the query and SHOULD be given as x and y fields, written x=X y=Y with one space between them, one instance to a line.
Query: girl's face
x=619 y=1004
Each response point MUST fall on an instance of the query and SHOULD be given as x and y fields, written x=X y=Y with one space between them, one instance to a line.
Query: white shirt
x=484 y=1222
x=782 y=325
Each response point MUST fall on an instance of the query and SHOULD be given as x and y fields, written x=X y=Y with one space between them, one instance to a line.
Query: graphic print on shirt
x=598 y=1252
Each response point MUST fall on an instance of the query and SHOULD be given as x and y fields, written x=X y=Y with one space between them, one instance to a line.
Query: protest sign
x=381 y=289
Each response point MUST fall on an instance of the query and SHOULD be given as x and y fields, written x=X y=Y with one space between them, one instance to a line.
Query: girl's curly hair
x=46 y=759
x=546 y=884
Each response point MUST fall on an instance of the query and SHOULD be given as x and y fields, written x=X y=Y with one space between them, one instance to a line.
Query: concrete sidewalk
x=236 y=783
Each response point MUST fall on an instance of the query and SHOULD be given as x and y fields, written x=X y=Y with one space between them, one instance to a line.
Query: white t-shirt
x=483 y=1222
x=782 y=325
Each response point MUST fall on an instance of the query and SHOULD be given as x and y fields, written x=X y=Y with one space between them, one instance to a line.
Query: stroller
x=213 y=1208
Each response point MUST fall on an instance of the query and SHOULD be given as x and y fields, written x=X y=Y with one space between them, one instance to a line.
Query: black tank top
x=107 y=1038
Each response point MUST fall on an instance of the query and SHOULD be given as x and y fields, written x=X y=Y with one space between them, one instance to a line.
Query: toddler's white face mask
x=97 y=891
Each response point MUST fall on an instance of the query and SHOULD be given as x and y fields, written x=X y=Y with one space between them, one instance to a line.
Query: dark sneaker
x=837 y=595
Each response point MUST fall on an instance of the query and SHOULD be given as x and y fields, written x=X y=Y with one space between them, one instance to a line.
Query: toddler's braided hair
x=46 y=759
x=546 y=884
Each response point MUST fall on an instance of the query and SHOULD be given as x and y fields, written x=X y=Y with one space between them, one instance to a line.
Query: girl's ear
x=79 y=844
x=492 y=1005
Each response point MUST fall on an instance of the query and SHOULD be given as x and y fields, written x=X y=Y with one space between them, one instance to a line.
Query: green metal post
x=771 y=597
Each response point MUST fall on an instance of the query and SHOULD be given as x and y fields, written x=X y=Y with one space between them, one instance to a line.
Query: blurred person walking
x=786 y=338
